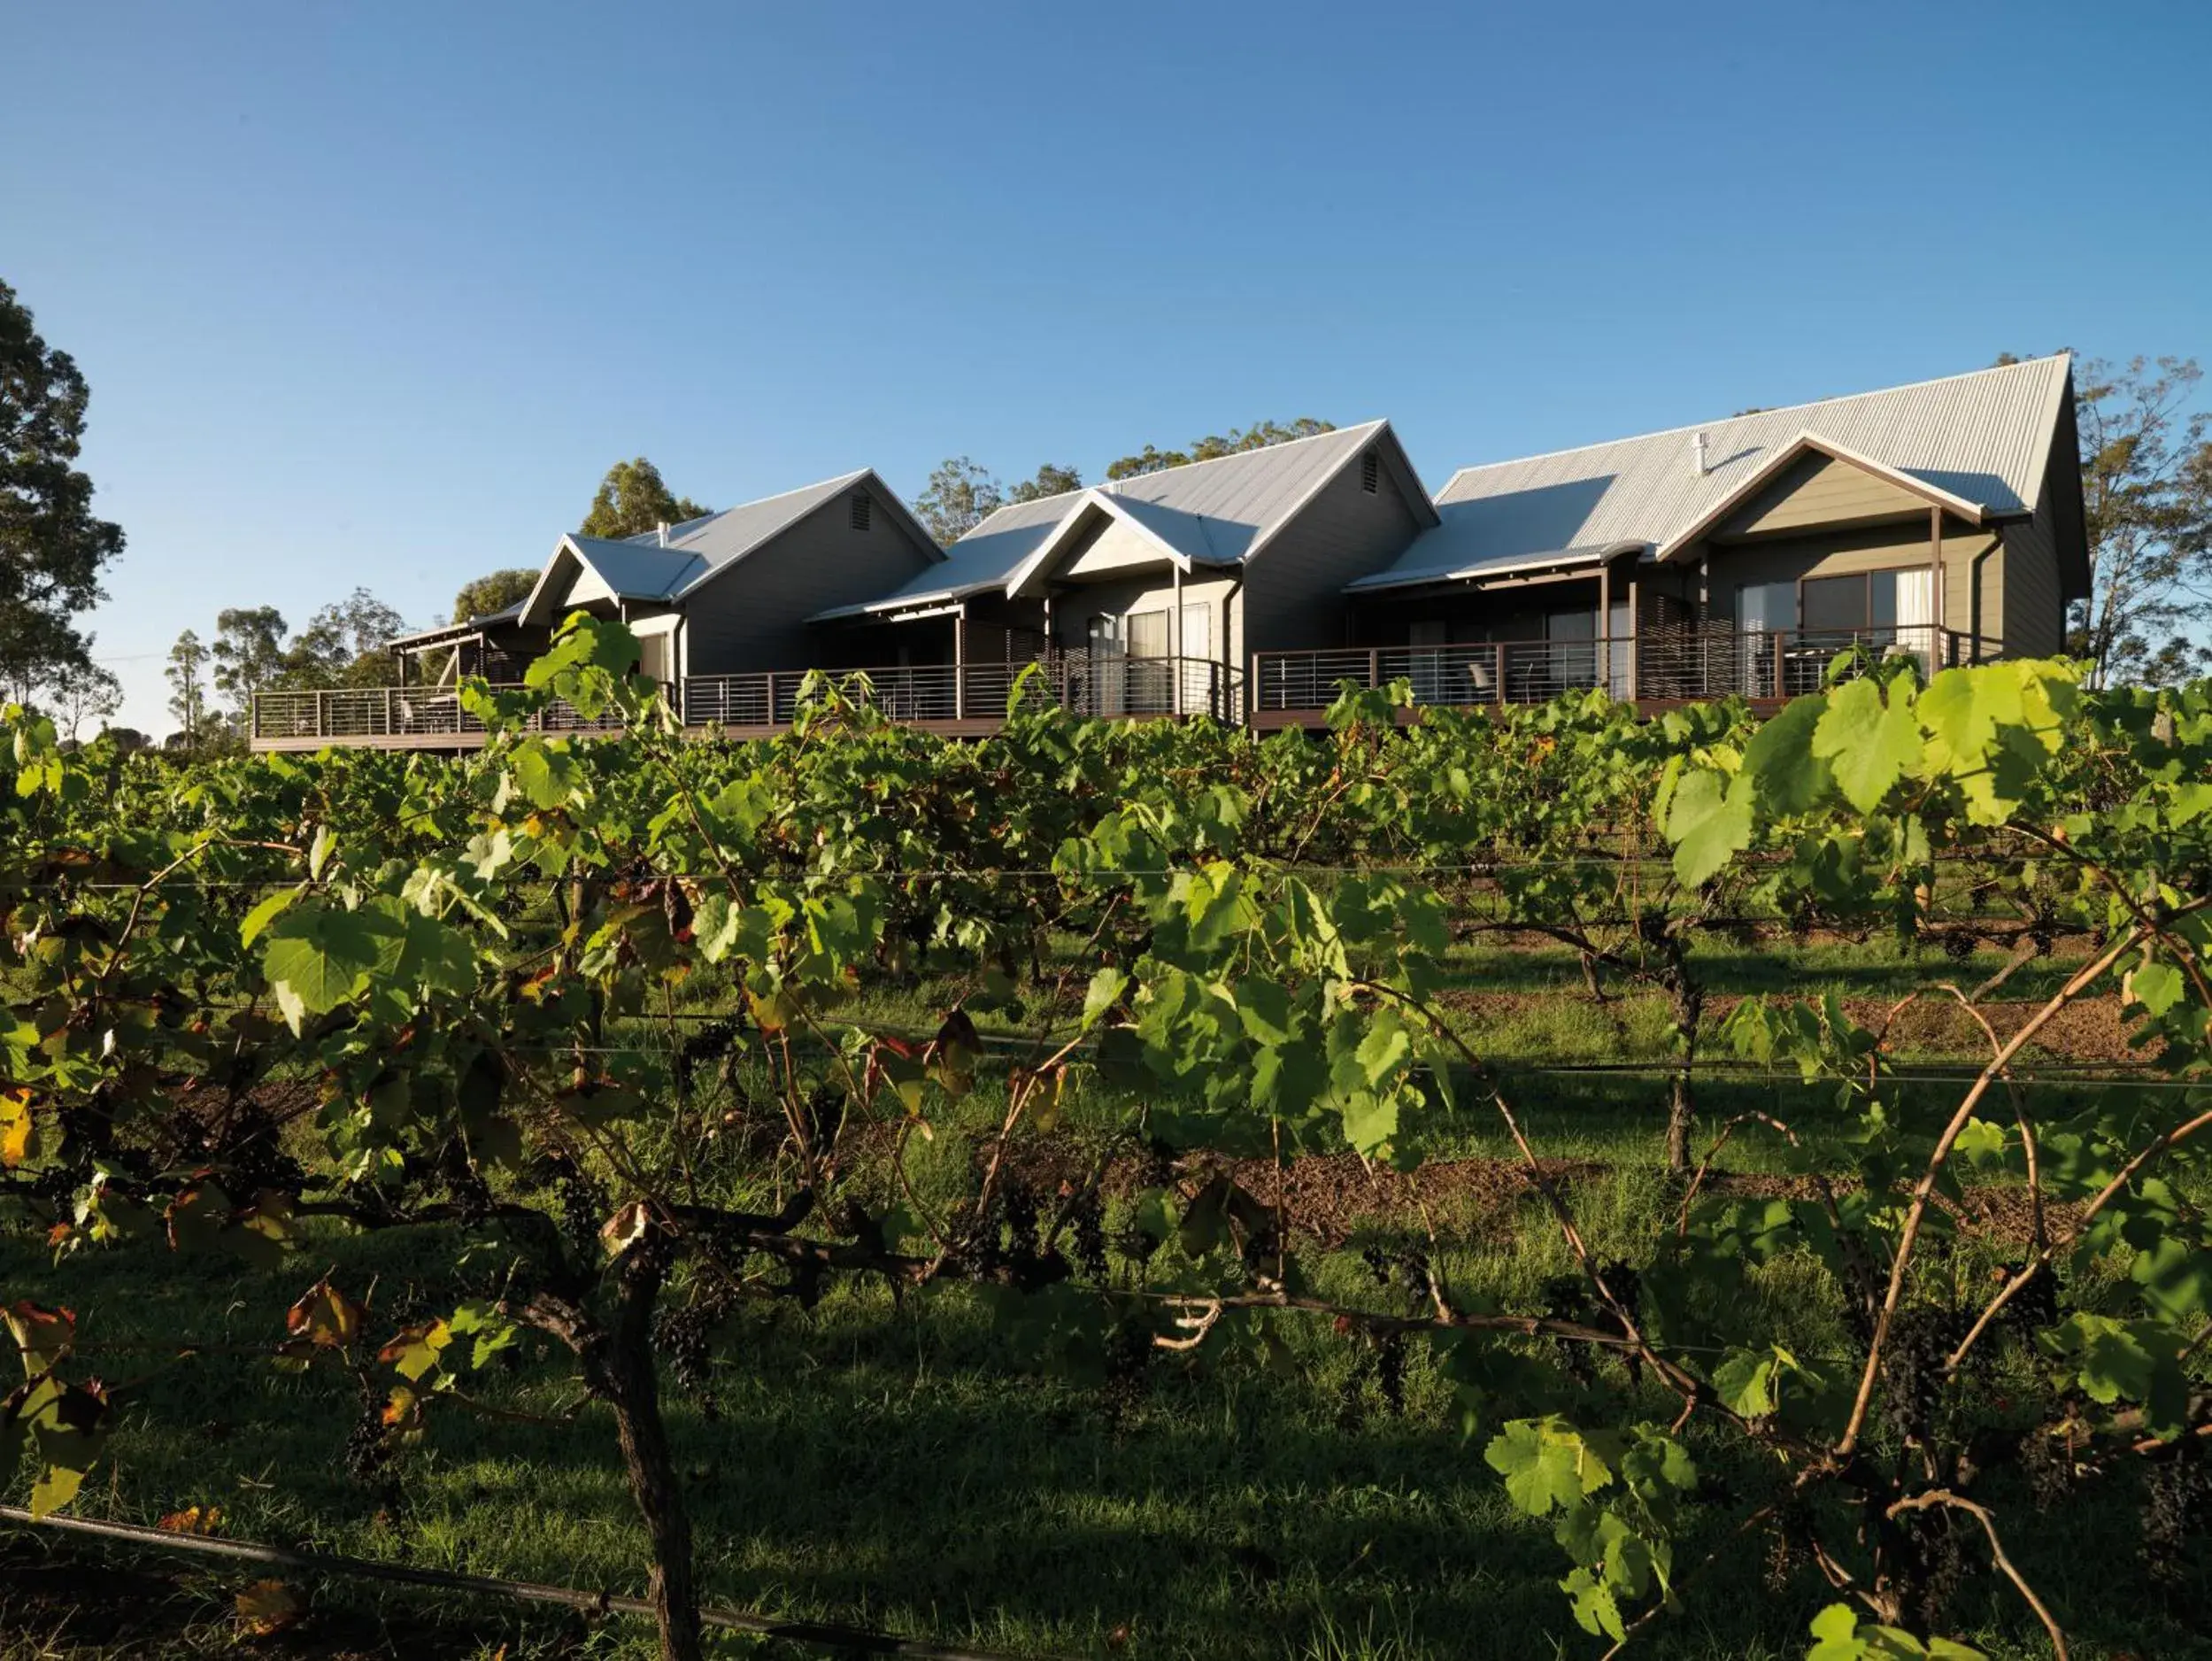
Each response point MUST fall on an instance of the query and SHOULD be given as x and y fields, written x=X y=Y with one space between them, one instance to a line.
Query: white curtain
x=1916 y=615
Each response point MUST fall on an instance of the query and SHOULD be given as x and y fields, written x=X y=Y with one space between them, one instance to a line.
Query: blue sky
x=374 y=294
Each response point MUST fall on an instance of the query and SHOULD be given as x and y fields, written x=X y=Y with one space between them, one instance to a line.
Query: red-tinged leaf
x=197 y=1216
x=268 y=1607
x=625 y=1228
x=325 y=1317
x=18 y=1127
x=43 y=1335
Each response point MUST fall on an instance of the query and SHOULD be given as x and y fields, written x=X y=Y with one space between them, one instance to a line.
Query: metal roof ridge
x=1779 y=409
x=1109 y=485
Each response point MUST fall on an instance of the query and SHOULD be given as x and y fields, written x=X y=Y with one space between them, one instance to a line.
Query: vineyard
x=1531 y=1182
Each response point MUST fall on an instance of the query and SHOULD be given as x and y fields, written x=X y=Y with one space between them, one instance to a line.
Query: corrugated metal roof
x=1199 y=540
x=977 y=562
x=1212 y=512
x=1454 y=551
x=1984 y=436
x=720 y=540
x=637 y=570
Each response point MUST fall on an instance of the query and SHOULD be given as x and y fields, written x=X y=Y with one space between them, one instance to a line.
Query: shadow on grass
x=884 y=1467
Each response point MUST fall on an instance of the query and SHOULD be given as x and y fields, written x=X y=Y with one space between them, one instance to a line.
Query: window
x=1147 y=634
x=1370 y=472
x=1763 y=606
x=1883 y=602
x=863 y=510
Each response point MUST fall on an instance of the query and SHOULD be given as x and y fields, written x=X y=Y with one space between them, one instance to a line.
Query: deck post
x=1778 y=660
x=771 y=716
x=960 y=662
x=1635 y=629
x=1498 y=673
x=1935 y=576
x=1605 y=626
x=1375 y=666
x=1175 y=643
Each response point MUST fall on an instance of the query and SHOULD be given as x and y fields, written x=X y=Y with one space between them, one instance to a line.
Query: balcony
x=1289 y=688
x=392 y=718
x=968 y=699
x=974 y=696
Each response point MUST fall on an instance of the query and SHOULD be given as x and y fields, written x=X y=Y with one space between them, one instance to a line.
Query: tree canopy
x=494 y=590
x=186 y=674
x=633 y=499
x=1259 y=435
x=2146 y=496
x=959 y=496
x=343 y=645
x=80 y=694
x=248 y=652
x=52 y=549
x=1051 y=480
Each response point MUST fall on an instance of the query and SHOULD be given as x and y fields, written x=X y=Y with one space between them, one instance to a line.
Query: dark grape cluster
x=1788 y=1548
x=1006 y=1244
x=1567 y=1298
x=1930 y=1564
x=583 y=1207
x=2034 y=1307
x=683 y=1338
x=1408 y=1268
x=368 y=1446
x=2176 y=1505
x=712 y=1042
x=1389 y=1372
x=1086 y=1222
x=1920 y=1341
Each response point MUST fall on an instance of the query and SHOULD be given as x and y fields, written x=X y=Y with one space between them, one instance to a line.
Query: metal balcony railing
x=369 y=713
x=1080 y=683
x=1686 y=664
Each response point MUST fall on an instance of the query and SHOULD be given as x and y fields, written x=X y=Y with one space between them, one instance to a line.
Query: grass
x=885 y=1464
x=900 y=1465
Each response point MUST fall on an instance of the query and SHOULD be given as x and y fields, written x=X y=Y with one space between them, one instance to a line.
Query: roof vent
x=663 y=528
x=863 y=510
x=1697 y=452
x=1370 y=472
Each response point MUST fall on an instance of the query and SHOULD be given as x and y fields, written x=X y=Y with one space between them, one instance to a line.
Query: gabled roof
x=458 y=626
x=645 y=568
x=1454 y=552
x=1810 y=443
x=636 y=570
x=1182 y=537
x=1982 y=440
x=1220 y=511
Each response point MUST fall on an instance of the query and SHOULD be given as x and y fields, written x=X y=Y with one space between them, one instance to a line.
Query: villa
x=1942 y=518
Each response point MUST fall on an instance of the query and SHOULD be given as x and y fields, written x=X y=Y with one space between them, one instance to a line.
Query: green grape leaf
x=2157 y=987
x=1786 y=774
x=1708 y=823
x=266 y=913
x=1545 y=1464
x=1869 y=745
x=1370 y=1119
x=1744 y=1383
x=315 y=955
